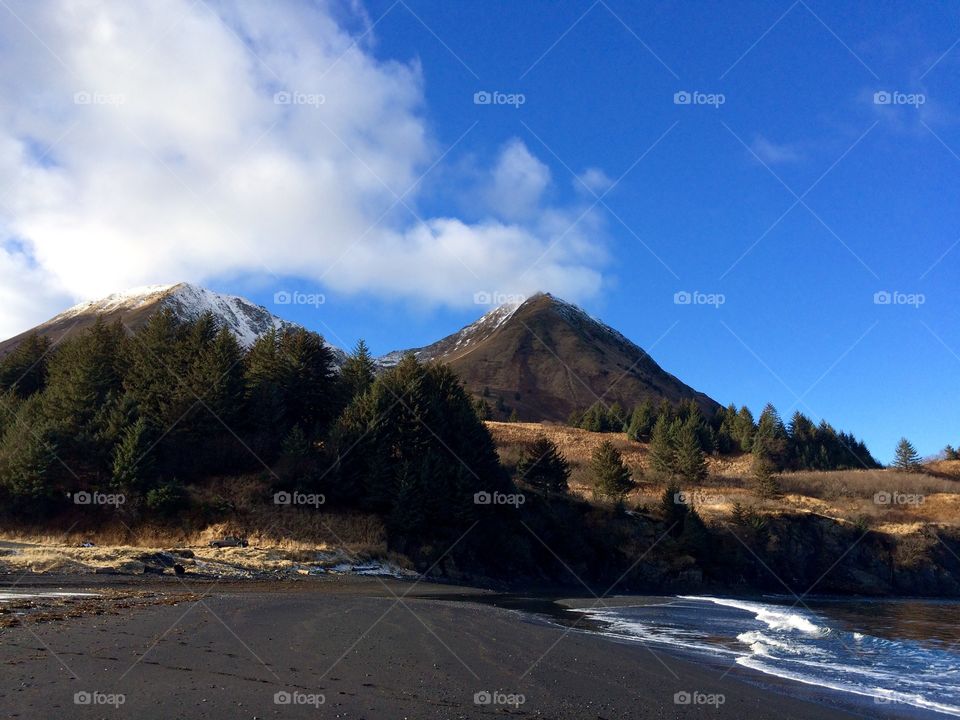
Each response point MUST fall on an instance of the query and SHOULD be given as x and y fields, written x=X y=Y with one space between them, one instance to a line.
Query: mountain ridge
x=543 y=358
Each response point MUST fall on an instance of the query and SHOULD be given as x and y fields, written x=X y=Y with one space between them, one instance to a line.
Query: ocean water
x=902 y=653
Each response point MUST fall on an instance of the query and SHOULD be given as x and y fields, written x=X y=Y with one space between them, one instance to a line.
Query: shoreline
x=371 y=652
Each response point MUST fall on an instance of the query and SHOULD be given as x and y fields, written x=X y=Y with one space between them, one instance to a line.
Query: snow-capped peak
x=243 y=318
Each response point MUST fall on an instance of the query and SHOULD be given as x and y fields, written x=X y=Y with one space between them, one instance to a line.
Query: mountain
x=544 y=357
x=547 y=358
x=134 y=307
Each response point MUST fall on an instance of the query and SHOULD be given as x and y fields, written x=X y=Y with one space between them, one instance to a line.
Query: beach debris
x=229 y=541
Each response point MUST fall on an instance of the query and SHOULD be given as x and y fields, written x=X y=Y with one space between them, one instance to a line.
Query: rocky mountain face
x=546 y=358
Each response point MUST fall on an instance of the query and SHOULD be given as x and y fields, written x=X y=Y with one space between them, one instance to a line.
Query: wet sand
x=349 y=648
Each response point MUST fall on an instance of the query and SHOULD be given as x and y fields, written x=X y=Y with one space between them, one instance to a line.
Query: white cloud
x=518 y=182
x=773 y=153
x=594 y=180
x=183 y=167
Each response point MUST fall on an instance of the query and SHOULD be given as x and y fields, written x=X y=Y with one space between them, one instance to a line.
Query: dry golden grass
x=846 y=495
x=278 y=538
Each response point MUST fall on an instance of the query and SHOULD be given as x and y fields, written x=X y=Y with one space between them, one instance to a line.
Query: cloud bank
x=156 y=142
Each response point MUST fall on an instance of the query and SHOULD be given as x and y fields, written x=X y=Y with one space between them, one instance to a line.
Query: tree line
x=798 y=445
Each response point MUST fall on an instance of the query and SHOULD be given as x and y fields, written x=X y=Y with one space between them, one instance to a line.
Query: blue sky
x=797 y=195
x=799 y=326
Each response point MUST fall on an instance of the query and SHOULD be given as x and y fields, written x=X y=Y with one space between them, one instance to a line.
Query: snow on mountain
x=246 y=320
x=460 y=341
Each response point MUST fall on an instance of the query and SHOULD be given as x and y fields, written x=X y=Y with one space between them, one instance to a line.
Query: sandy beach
x=355 y=648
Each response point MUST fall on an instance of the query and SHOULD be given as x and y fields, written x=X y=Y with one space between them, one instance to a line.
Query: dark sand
x=370 y=656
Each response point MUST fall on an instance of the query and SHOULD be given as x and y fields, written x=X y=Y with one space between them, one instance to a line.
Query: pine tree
x=25 y=369
x=767 y=485
x=359 y=370
x=616 y=418
x=543 y=467
x=642 y=420
x=770 y=441
x=663 y=452
x=744 y=429
x=689 y=461
x=906 y=456
x=482 y=409
x=514 y=416
x=611 y=476
x=132 y=463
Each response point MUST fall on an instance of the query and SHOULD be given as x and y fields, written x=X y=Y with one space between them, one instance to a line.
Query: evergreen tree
x=642 y=420
x=616 y=418
x=663 y=453
x=611 y=476
x=24 y=370
x=514 y=416
x=689 y=461
x=906 y=456
x=770 y=441
x=359 y=370
x=84 y=384
x=767 y=485
x=543 y=467
x=674 y=511
x=482 y=409
x=415 y=437
x=29 y=467
x=132 y=463
x=744 y=429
